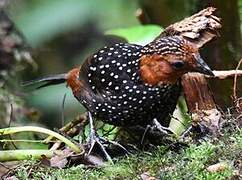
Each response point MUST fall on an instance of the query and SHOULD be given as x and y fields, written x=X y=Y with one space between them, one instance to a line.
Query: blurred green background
x=63 y=33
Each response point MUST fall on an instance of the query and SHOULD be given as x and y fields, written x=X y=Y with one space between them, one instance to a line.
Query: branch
x=199 y=28
x=226 y=74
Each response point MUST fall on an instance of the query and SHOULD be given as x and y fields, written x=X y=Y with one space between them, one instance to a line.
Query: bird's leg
x=159 y=127
x=144 y=134
x=93 y=139
x=156 y=126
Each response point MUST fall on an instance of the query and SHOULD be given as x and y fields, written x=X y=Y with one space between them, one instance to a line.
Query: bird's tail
x=47 y=81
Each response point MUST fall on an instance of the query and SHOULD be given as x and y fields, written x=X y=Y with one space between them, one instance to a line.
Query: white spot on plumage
x=93 y=68
x=102 y=72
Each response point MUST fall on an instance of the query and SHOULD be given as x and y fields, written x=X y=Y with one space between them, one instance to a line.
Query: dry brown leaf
x=146 y=176
x=221 y=166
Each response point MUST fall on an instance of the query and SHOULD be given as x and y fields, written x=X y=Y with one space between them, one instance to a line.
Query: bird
x=127 y=84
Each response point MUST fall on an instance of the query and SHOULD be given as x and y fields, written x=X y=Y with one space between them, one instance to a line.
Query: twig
x=22 y=140
x=3 y=165
x=63 y=110
x=68 y=126
x=9 y=124
x=235 y=81
x=225 y=74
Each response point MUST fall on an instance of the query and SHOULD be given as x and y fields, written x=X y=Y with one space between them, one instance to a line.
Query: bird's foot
x=102 y=142
x=95 y=139
x=156 y=127
x=110 y=142
x=162 y=129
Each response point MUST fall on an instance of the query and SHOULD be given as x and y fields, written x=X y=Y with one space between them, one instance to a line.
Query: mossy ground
x=187 y=163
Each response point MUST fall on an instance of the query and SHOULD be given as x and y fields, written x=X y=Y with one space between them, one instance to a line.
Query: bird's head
x=165 y=60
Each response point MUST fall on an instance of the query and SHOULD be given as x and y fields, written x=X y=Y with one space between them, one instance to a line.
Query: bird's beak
x=202 y=67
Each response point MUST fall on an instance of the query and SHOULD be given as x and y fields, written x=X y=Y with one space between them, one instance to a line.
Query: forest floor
x=208 y=158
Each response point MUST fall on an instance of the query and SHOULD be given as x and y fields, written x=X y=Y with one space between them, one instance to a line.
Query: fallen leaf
x=146 y=176
x=217 y=167
x=94 y=160
x=60 y=161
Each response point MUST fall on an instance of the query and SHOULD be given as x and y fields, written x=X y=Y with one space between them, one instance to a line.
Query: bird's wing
x=105 y=71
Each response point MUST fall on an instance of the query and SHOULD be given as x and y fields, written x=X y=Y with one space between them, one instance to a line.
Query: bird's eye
x=178 y=64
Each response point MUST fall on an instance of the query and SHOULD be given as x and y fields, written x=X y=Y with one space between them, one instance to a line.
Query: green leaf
x=142 y=34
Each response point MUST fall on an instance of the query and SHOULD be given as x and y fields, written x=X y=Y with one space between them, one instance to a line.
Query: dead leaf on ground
x=221 y=166
x=146 y=176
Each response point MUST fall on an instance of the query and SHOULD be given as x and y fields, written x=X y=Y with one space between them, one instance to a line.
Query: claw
x=162 y=129
x=95 y=139
x=156 y=126
x=114 y=143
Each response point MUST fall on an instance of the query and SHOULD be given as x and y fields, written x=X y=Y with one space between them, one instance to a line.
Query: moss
x=188 y=163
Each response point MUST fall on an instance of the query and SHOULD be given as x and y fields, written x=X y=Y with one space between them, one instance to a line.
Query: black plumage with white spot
x=115 y=93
